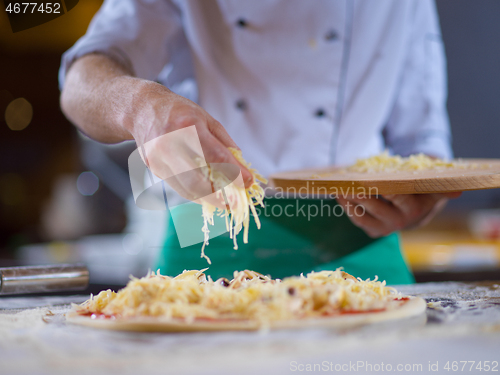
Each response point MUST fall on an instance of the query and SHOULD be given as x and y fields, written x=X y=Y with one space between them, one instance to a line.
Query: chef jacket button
x=331 y=35
x=241 y=23
x=320 y=112
x=241 y=104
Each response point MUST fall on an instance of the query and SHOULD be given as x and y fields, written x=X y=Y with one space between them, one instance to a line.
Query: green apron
x=296 y=236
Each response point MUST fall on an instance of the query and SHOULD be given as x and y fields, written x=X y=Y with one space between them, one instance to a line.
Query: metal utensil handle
x=39 y=279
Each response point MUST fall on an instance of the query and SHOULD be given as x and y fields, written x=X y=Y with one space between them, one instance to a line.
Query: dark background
x=32 y=160
x=471 y=34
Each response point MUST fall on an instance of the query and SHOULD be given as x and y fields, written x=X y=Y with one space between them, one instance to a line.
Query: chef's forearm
x=102 y=98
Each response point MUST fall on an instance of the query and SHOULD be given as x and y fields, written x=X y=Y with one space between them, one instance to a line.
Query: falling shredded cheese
x=386 y=163
x=249 y=296
x=239 y=202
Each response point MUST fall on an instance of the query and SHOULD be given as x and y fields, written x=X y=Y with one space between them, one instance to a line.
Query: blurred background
x=65 y=198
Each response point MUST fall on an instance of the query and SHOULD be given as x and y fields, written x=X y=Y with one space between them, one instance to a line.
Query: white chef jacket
x=295 y=83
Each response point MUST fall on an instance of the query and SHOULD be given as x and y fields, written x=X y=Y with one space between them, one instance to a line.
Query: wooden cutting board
x=478 y=174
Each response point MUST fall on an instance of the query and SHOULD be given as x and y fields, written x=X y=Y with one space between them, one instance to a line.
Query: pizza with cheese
x=193 y=301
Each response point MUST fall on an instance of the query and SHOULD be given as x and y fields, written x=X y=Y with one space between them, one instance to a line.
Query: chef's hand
x=110 y=105
x=381 y=216
x=160 y=112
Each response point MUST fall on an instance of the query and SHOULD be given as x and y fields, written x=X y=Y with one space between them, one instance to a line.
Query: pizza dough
x=414 y=306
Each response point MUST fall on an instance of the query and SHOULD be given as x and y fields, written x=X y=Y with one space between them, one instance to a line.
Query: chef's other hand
x=388 y=213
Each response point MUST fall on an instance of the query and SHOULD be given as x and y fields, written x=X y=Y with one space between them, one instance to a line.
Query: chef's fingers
x=216 y=152
x=413 y=206
x=358 y=215
x=418 y=205
x=420 y=208
x=394 y=212
x=219 y=132
x=386 y=212
x=407 y=202
x=178 y=161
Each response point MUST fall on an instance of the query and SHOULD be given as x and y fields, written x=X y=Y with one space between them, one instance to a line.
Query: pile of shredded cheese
x=241 y=200
x=249 y=296
x=386 y=163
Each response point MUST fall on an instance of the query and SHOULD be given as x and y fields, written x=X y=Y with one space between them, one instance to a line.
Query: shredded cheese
x=386 y=163
x=249 y=296
x=239 y=203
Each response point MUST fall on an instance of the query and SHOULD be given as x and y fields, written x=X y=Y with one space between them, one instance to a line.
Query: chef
x=294 y=84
